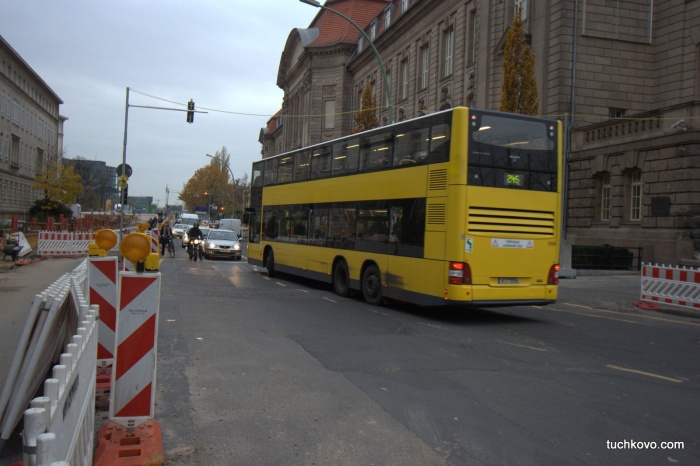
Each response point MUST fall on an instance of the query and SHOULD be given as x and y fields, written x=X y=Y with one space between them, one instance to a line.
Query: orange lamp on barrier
x=143 y=226
x=135 y=247
x=104 y=241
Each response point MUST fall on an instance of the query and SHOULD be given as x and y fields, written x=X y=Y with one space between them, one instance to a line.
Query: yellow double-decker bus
x=457 y=207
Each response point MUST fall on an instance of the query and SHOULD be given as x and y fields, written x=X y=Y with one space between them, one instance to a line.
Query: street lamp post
x=233 y=182
x=369 y=41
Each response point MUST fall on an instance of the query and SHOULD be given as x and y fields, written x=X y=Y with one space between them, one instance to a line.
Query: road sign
x=124 y=169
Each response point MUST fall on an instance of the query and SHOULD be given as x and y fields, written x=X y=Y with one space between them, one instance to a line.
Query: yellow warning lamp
x=144 y=226
x=136 y=248
x=104 y=241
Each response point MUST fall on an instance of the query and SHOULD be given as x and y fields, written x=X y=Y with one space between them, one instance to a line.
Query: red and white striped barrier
x=155 y=234
x=678 y=286
x=52 y=243
x=132 y=400
x=102 y=283
x=63 y=244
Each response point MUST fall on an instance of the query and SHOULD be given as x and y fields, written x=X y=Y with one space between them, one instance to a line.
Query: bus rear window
x=507 y=151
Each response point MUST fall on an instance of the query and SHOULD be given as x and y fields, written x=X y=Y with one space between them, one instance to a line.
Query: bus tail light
x=553 y=278
x=459 y=274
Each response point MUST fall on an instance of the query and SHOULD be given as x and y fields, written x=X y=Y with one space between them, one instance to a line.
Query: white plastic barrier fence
x=678 y=286
x=65 y=243
x=59 y=426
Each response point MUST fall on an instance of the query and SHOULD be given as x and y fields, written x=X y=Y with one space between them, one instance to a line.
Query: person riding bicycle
x=166 y=235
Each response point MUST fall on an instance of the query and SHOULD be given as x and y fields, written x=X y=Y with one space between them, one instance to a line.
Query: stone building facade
x=622 y=75
x=31 y=131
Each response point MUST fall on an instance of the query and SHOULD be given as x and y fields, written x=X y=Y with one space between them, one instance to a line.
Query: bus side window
x=270 y=172
x=439 y=143
x=411 y=147
x=321 y=162
x=345 y=157
x=376 y=152
x=285 y=169
x=302 y=167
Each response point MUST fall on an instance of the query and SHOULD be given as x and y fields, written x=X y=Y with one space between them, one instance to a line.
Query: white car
x=179 y=229
x=222 y=243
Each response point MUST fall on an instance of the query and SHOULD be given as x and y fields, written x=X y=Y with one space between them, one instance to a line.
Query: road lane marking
x=522 y=346
x=648 y=374
x=280 y=284
x=662 y=319
x=329 y=299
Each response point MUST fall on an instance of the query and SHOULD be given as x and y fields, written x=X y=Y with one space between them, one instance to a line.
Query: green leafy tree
x=519 y=91
x=366 y=118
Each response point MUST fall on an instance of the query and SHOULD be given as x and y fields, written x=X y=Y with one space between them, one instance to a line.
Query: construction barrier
x=677 y=286
x=66 y=243
x=102 y=280
x=132 y=400
x=58 y=426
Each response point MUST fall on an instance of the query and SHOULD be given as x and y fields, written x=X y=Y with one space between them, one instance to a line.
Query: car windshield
x=223 y=235
x=179 y=226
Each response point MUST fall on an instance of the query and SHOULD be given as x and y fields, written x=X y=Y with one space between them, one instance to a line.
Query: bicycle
x=171 y=247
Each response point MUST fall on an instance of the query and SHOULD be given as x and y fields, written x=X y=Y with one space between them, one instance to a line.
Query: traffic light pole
x=190 y=118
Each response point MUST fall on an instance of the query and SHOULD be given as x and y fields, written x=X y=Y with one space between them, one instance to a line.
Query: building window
x=329 y=114
x=360 y=43
x=605 y=193
x=520 y=5
x=424 y=66
x=471 y=44
x=404 y=6
x=635 y=179
x=373 y=30
x=387 y=18
x=14 y=152
x=448 y=44
x=404 y=79
x=614 y=113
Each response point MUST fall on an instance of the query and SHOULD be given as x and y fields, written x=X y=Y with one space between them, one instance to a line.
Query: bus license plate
x=508 y=281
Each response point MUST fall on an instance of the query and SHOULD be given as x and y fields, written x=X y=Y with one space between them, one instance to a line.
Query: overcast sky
x=223 y=54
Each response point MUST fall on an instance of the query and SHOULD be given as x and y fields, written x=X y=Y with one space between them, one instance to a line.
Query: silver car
x=222 y=243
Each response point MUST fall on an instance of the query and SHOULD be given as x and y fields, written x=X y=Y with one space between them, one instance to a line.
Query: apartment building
x=622 y=75
x=31 y=131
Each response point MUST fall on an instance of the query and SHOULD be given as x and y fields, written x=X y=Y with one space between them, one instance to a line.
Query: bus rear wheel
x=270 y=264
x=341 y=279
x=372 y=285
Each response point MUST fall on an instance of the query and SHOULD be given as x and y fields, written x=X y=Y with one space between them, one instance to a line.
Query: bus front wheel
x=372 y=285
x=270 y=264
x=341 y=279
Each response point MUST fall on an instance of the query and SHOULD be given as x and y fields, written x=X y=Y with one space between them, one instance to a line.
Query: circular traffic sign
x=122 y=171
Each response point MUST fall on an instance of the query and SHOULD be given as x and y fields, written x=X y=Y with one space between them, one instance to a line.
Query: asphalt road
x=253 y=370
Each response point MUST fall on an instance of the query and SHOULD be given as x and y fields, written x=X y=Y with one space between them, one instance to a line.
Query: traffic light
x=190 y=111
x=126 y=195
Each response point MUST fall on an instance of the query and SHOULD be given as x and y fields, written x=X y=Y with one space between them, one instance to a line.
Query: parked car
x=179 y=229
x=186 y=239
x=222 y=243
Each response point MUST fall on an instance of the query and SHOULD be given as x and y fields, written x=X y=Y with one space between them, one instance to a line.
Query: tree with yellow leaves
x=59 y=184
x=366 y=118
x=519 y=91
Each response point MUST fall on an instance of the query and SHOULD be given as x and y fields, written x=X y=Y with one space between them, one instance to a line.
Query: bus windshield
x=510 y=152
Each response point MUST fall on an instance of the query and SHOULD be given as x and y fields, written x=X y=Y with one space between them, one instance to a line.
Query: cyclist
x=166 y=235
